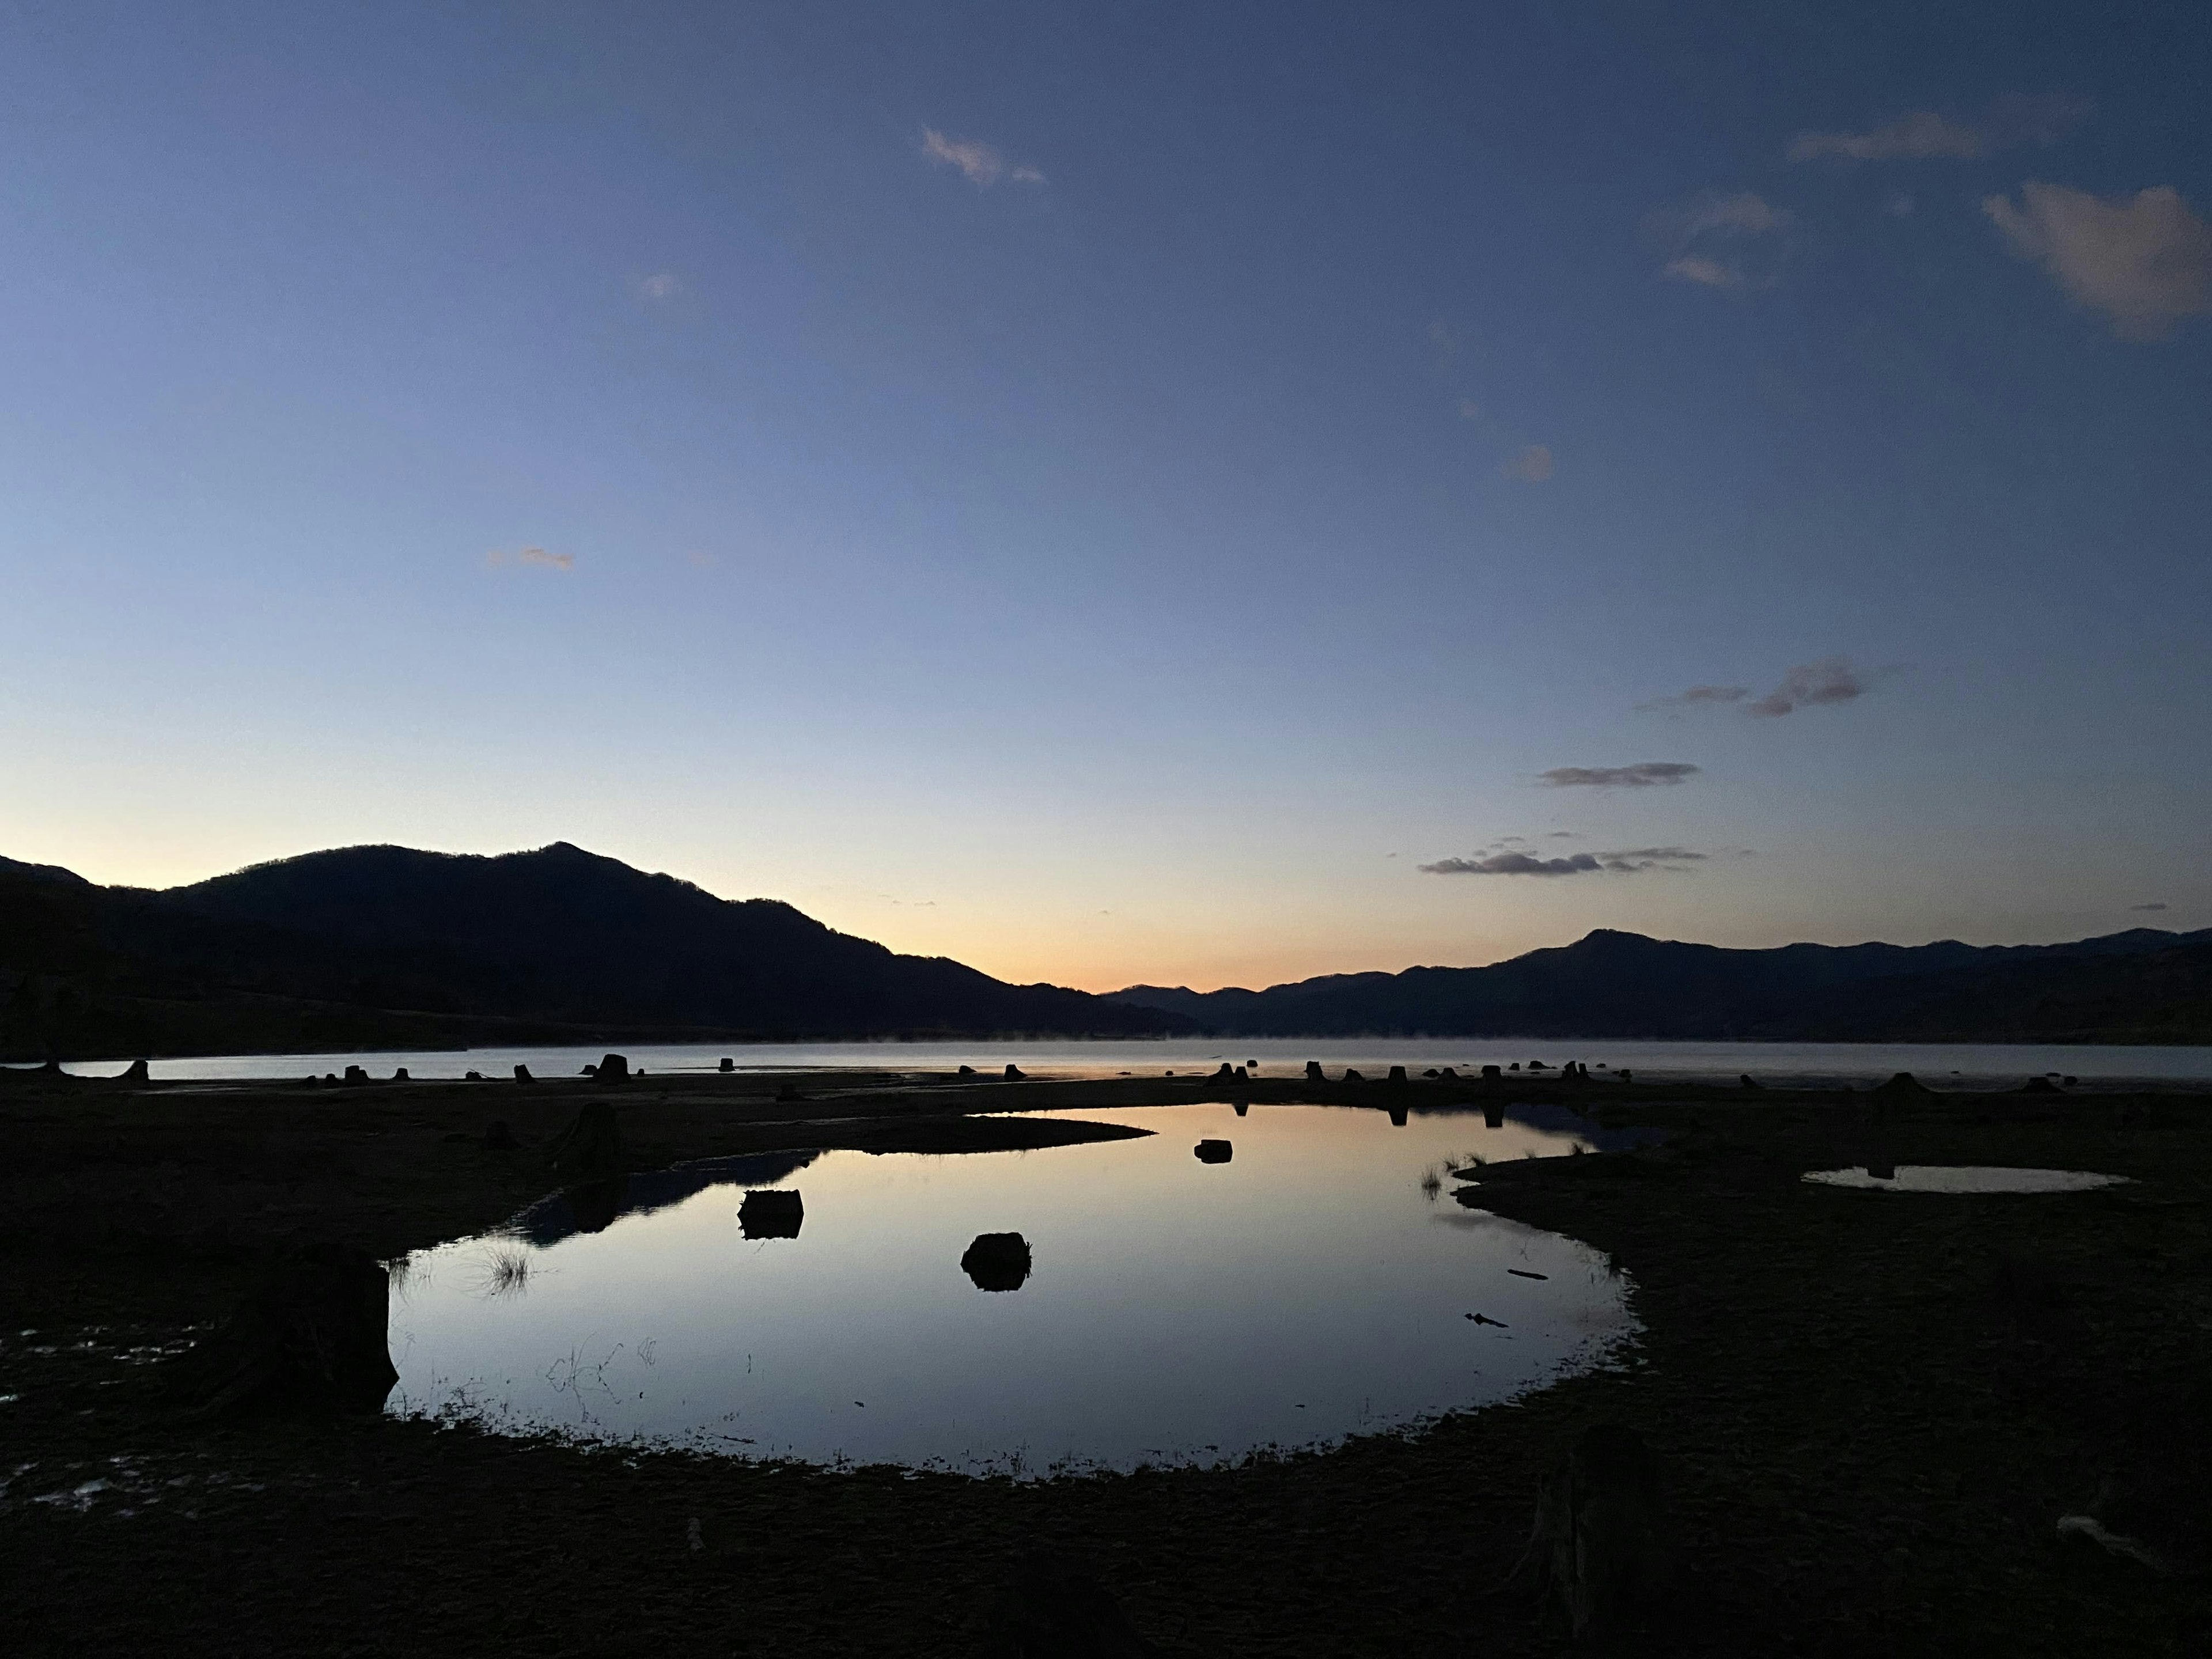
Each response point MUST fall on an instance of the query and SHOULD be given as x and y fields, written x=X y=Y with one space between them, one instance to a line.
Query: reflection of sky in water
x=1967 y=1178
x=1316 y=1285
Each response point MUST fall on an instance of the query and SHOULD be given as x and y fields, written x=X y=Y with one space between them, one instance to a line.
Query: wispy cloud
x=2147 y=906
x=661 y=285
x=1832 y=679
x=536 y=555
x=1643 y=775
x=981 y=164
x=1743 y=214
x=1628 y=861
x=1697 y=695
x=1531 y=465
x=1707 y=238
x=1925 y=135
x=2144 y=260
x=1702 y=268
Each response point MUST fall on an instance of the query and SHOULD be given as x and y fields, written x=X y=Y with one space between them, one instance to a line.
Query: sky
x=1127 y=492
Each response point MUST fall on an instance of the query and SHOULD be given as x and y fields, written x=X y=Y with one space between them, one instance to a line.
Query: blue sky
x=1108 y=492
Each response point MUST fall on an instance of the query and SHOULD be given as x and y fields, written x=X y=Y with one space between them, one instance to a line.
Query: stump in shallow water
x=997 y=1262
x=1052 y=1608
x=592 y=1146
x=771 y=1212
x=1600 y=1552
x=311 y=1337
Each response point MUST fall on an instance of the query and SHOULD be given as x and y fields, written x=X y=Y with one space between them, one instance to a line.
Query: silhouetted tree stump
x=311 y=1337
x=1600 y=1553
x=771 y=1212
x=1052 y=1608
x=591 y=1146
x=997 y=1262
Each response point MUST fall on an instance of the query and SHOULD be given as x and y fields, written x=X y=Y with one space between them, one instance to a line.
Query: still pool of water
x=1967 y=1178
x=1318 y=1283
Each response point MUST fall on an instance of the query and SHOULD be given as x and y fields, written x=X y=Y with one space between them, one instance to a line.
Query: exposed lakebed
x=1315 y=1282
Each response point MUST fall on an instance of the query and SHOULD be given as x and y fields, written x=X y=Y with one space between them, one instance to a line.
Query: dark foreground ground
x=1872 y=1408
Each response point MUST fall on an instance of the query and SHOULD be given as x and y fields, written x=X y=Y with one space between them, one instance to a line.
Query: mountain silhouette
x=2143 y=985
x=375 y=946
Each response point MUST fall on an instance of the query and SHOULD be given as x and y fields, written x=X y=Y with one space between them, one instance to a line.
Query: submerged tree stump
x=1600 y=1554
x=312 y=1336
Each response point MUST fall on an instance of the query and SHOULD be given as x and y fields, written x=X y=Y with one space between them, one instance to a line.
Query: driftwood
x=312 y=1336
x=1600 y=1555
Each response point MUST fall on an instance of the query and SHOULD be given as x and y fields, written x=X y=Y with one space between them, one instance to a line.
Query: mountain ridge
x=381 y=946
x=1612 y=983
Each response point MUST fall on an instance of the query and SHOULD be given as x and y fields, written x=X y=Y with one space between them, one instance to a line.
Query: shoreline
x=1866 y=1439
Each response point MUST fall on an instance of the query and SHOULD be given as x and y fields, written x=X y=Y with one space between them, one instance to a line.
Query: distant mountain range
x=2142 y=985
x=386 y=947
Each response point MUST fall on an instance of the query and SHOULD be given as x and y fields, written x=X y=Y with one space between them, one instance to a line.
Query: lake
x=1810 y=1065
x=1320 y=1283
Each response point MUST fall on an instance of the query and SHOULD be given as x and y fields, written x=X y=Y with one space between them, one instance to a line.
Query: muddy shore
x=1872 y=1407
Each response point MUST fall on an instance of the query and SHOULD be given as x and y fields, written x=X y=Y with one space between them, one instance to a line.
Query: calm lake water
x=1319 y=1283
x=1802 y=1064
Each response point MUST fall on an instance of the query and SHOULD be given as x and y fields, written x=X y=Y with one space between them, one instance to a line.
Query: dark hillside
x=382 y=946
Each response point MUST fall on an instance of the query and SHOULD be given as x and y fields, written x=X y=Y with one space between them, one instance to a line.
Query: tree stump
x=1600 y=1553
x=590 y=1147
x=1052 y=1608
x=311 y=1337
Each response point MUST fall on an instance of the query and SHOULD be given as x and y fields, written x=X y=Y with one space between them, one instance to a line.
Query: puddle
x=1969 y=1178
x=1167 y=1308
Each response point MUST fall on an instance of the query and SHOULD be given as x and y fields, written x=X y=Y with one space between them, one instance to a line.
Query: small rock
x=522 y=1073
x=1214 y=1151
x=1014 y=1074
x=1314 y=1072
x=613 y=1068
x=727 y=1064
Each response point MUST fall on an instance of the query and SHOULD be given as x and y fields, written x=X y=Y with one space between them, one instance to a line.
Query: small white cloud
x=979 y=163
x=1898 y=206
x=2144 y=260
x=1532 y=465
x=1703 y=270
x=536 y=555
x=1469 y=410
x=661 y=285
